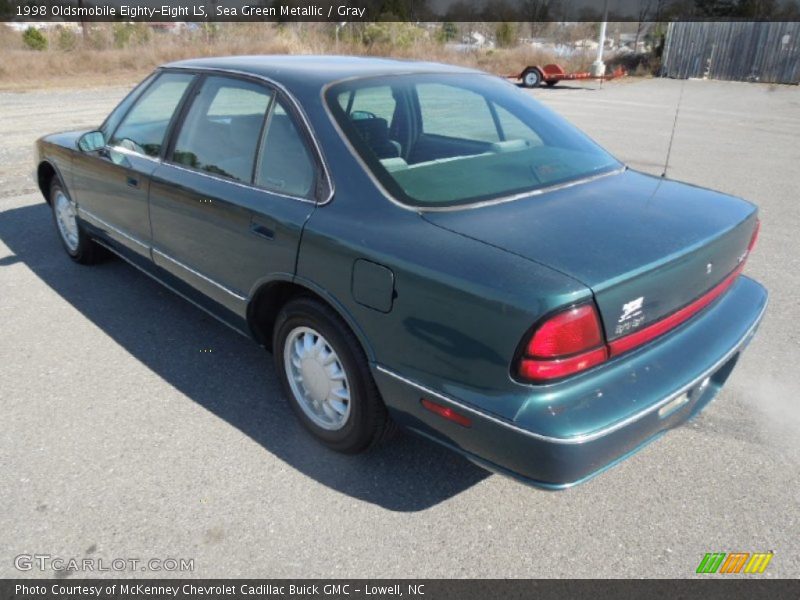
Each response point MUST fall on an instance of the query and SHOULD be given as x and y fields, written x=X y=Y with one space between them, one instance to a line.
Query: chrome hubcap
x=66 y=218
x=531 y=79
x=317 y=378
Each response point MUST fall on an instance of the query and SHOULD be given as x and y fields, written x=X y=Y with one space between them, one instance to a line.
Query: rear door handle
x=262 y=231
x=132 y=182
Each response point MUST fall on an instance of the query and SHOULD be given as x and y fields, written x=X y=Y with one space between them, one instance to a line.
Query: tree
x=535 y=11
x=505 y=34
x=644 y=9
x=448 y=31
x=716 y=8
x=34 y=39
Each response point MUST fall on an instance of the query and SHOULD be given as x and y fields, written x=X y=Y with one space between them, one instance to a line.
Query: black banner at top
x=398 y=10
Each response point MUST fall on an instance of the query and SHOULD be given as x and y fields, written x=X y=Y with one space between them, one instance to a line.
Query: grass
x=109 y=54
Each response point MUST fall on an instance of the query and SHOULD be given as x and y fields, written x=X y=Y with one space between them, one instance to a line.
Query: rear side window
x=221 y=130
x=369 y=103
x=143 y=128
x=285 y=165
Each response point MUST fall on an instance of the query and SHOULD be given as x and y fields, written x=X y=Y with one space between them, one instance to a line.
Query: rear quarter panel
x=460 y=307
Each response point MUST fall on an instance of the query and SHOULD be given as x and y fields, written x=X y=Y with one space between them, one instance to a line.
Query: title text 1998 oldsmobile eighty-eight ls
x=423 y=245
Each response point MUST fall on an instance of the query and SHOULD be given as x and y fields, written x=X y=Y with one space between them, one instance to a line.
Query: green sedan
x=422 y=246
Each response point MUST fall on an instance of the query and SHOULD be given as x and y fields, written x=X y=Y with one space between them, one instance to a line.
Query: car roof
x=306 y=70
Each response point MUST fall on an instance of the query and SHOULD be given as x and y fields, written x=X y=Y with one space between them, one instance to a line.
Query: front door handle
x=132 y=182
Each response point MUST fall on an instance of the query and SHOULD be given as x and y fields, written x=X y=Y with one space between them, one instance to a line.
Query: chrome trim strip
x=594 y=435
x=173 y=290
x=130 y=152
x=200 y=275
x=298 y=109
x=424 y=209
x=93 y=217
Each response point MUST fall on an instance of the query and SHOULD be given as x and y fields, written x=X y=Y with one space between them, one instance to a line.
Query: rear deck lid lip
x=634 y=202
x=668 y=259
x=635 y=241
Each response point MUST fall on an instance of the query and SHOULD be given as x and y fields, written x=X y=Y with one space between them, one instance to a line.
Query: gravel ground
x=123 y=439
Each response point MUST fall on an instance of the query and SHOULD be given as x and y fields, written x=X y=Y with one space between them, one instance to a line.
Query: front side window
x=144 y=127
x=221 y=130
x=457 y=139
x=116 y=115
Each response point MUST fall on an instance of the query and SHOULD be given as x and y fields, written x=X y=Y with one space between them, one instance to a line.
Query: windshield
x=437 y=140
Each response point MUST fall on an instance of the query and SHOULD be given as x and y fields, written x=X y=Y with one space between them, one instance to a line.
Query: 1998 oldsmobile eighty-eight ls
x=423 y=245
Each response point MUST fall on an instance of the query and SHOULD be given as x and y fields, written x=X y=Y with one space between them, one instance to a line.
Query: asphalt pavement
x=135 y=426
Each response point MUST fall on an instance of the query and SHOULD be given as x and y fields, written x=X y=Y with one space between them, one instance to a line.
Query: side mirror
x=92 y=141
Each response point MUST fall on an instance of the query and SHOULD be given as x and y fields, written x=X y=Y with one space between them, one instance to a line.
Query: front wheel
x=79 y=246
x=325 y=376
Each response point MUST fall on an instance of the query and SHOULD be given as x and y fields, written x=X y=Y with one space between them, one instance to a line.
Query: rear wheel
x=326 y=378
x=79 y=246
x=531 y=78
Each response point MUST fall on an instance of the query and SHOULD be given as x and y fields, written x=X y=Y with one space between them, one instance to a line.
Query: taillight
x=566 y=343
x=754 y=237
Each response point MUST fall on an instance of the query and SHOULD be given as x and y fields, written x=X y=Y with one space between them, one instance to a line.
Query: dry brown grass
x=74 y=60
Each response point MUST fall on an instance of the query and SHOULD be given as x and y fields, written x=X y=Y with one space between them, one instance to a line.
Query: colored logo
x=735 y=562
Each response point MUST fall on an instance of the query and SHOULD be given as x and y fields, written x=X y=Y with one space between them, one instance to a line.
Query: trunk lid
x=644 y=245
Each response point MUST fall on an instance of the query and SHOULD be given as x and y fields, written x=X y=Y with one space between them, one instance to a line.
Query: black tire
x=86 y=252
x=531 y=78
x=368 y=422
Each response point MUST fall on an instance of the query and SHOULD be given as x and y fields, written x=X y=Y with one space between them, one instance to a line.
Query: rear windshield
x=452 y=139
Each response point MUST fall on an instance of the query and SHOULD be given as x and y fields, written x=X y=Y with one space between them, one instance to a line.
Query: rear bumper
x=565 y=436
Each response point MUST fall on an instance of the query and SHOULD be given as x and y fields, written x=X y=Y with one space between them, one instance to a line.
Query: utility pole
x=598 y=66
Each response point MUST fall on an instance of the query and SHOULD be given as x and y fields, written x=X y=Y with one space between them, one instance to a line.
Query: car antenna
x=674 y=125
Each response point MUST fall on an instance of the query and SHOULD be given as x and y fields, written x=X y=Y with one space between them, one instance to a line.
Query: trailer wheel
x=531 y=78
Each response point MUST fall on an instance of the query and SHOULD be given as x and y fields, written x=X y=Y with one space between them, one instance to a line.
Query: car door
x=228 y=205
x=111 y=185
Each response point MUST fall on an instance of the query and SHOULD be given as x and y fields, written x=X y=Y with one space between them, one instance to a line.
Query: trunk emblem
x=631 y=309
x=632 y=316
x=709 y=268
